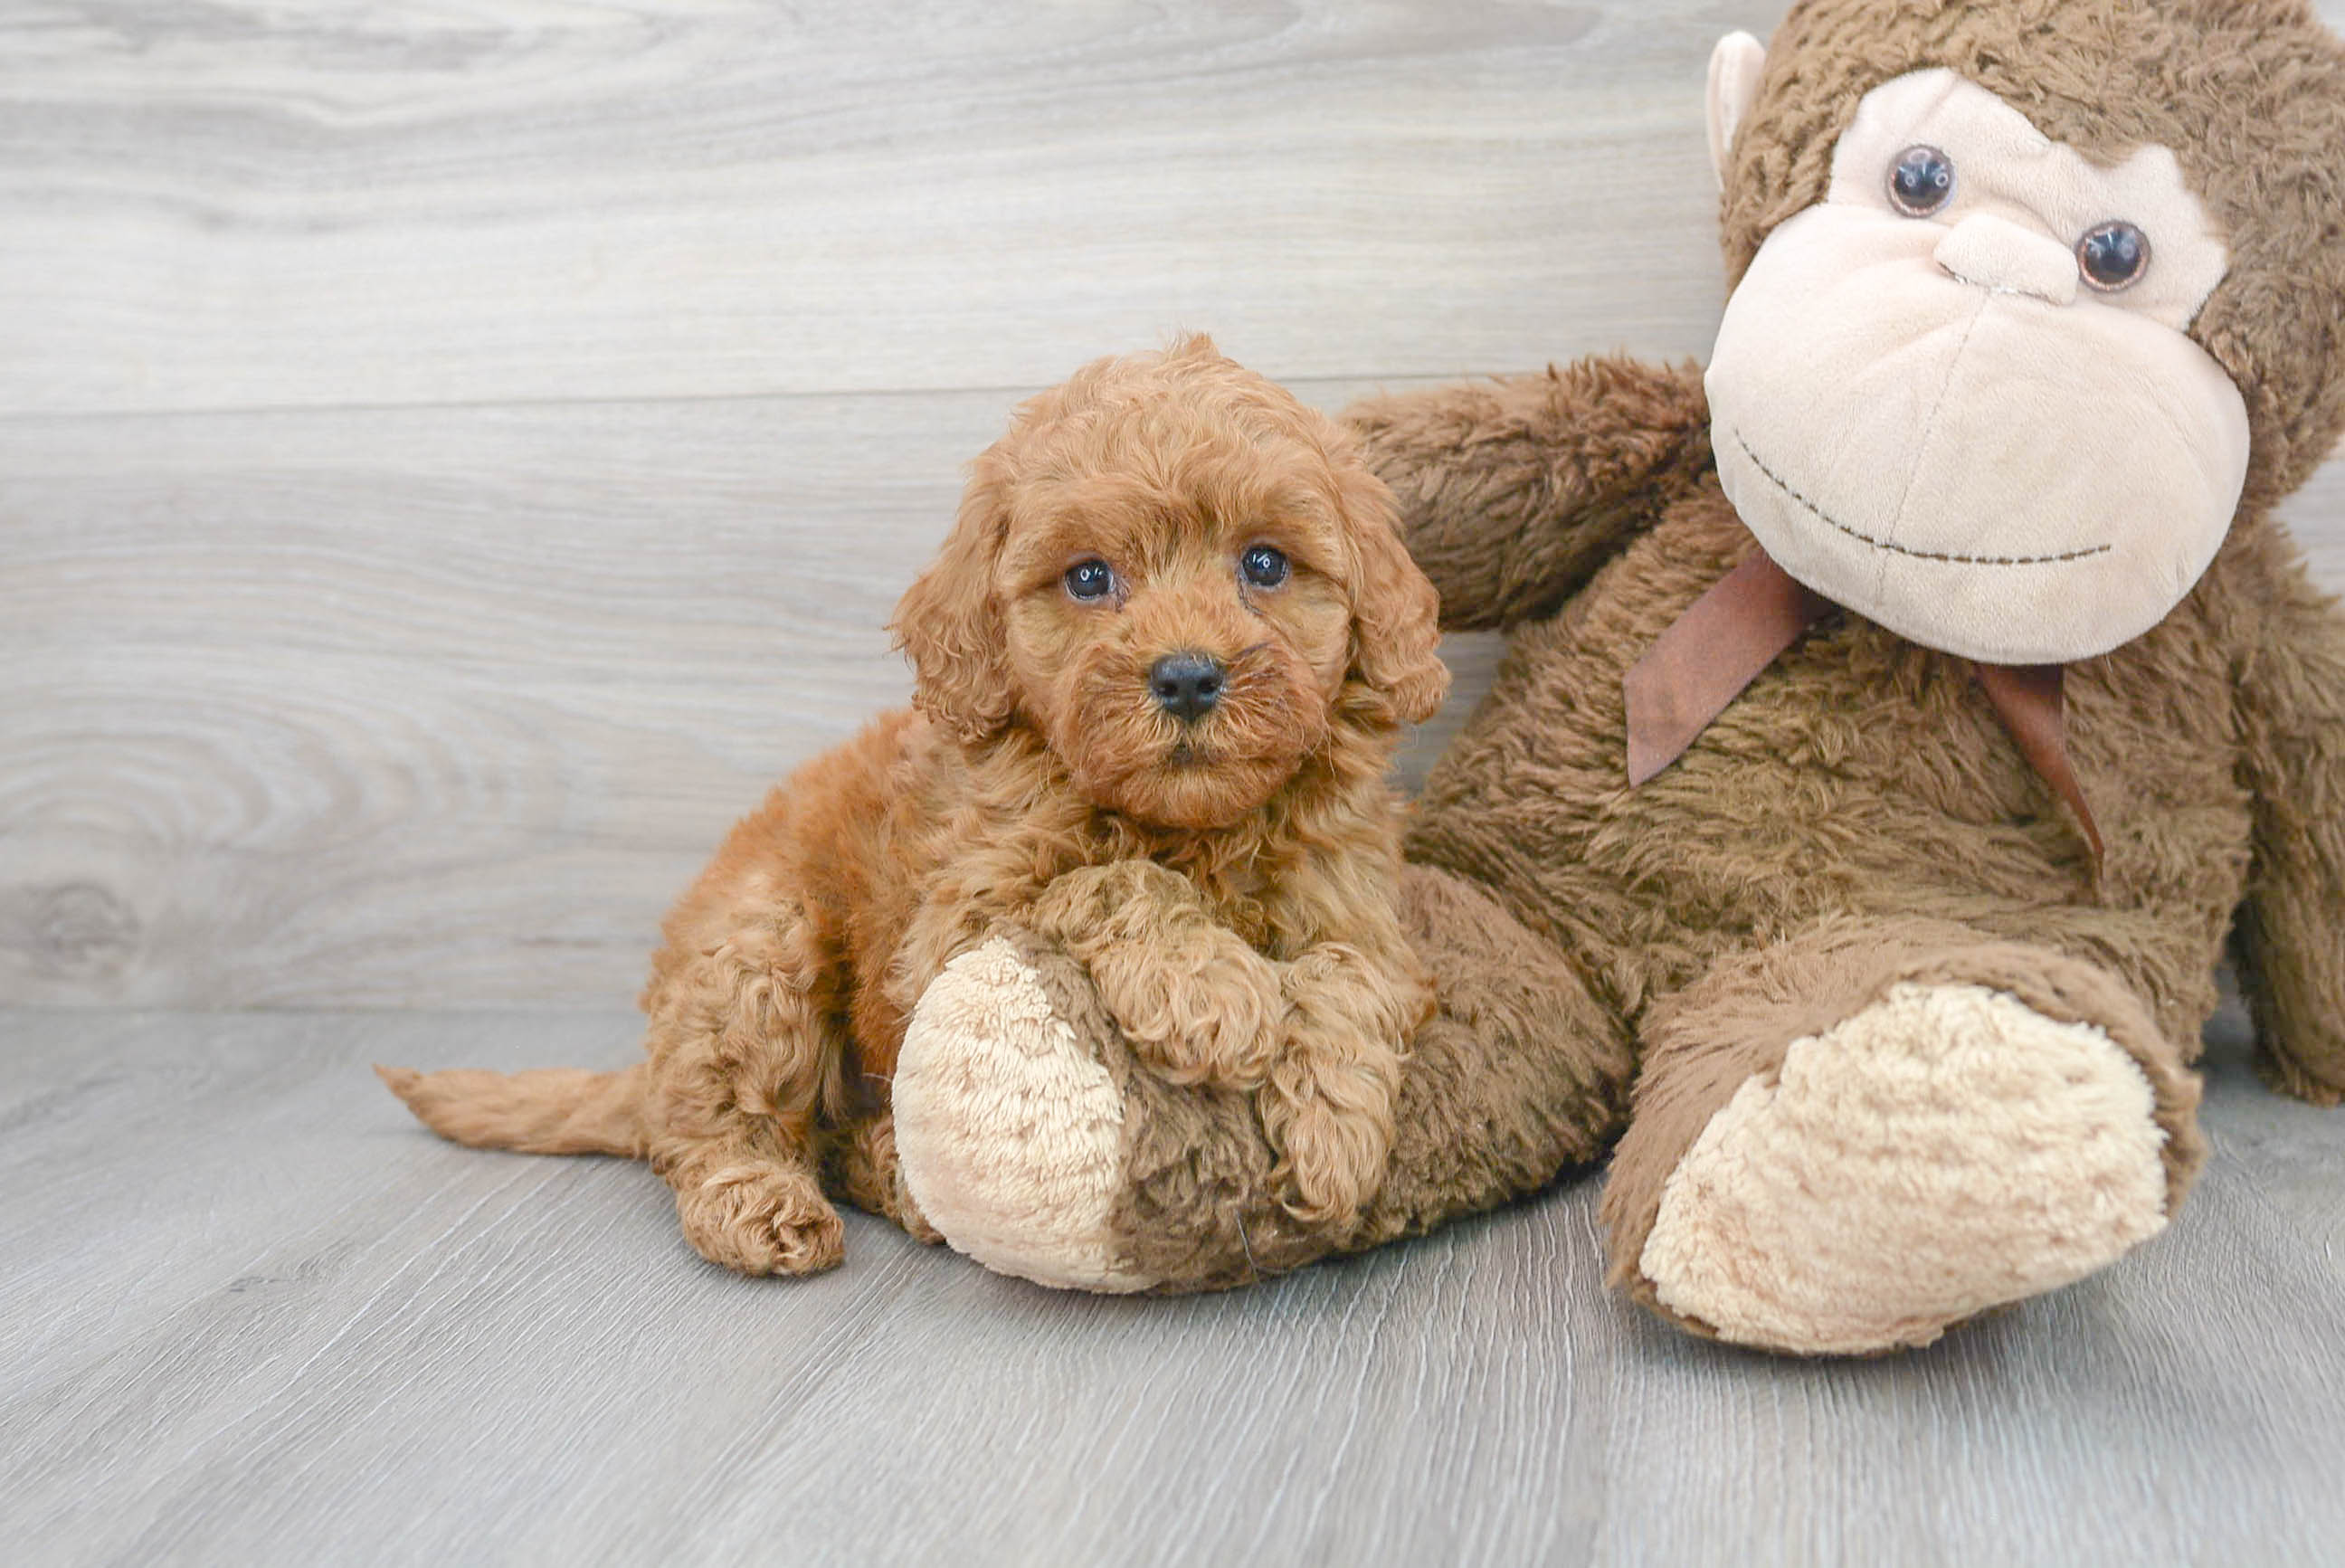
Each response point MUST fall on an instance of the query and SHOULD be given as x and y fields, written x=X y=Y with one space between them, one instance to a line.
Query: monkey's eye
x=1921 y=182
x=1091 y=581
x=2113 y=257
x=1264 y=566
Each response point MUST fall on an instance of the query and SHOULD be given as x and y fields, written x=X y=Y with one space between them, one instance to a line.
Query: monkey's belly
x=1859 y=776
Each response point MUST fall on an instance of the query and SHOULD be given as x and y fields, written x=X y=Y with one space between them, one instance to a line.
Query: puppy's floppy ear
x=947 y=623
x=1395 y=614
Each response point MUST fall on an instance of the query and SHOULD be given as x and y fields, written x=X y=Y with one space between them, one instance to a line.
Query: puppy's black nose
x=1187 y=685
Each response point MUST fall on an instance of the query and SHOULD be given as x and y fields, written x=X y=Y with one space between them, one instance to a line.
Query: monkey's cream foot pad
x=1944 y=1151
x=1011 y=1133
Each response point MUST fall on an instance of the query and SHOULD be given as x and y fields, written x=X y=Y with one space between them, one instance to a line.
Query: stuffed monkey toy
x=1894 y=726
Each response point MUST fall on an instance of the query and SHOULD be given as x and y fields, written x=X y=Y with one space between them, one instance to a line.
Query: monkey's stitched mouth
x=1780 y=482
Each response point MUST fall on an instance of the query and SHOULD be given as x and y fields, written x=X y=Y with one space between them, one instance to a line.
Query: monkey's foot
x=1943 y=1151
x=1010 y=1130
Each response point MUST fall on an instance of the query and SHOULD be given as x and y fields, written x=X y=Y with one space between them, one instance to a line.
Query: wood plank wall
x=455 y=454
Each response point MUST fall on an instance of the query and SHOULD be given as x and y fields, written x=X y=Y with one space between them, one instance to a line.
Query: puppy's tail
x=553 y=1111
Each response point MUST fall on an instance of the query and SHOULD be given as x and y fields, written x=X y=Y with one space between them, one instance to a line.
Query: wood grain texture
x=235 y=204
x=238 y=204
x=254 y=1315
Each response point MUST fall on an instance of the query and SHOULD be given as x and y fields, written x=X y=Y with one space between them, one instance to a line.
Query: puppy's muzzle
x=1187 y=686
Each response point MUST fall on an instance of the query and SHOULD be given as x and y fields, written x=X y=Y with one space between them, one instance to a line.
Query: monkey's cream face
x=1958 y=396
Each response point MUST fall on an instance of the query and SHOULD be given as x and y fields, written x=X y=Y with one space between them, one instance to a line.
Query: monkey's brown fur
x=1230 y=884
x=1859 y=817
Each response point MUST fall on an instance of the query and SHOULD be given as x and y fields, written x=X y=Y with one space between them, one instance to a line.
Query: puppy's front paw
x=1197 y=1003
x=1332 y=1126
x=1199 y=1007
x=760 y=1219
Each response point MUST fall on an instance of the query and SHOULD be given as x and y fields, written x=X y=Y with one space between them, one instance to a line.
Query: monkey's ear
x=947 y=623
x=1734 y=68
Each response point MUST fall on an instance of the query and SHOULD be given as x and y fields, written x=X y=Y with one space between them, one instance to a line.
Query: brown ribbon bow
x=1702 y=663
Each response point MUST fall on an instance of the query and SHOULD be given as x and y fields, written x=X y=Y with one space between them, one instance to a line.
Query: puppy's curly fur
x=1227 y=879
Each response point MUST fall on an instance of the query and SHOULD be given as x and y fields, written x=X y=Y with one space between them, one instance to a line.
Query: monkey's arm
x=2292 y=704
x=1513 y=492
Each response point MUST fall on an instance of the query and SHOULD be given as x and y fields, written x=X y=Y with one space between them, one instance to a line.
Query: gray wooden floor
x=455 y=454
x=252 y=1314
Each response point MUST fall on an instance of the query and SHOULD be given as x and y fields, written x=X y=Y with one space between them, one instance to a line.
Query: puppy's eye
x=1921 y=182
x=1264 y=566
x=1091 y=581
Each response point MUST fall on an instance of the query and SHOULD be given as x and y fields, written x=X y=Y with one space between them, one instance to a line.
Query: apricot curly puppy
x=1163 y=663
